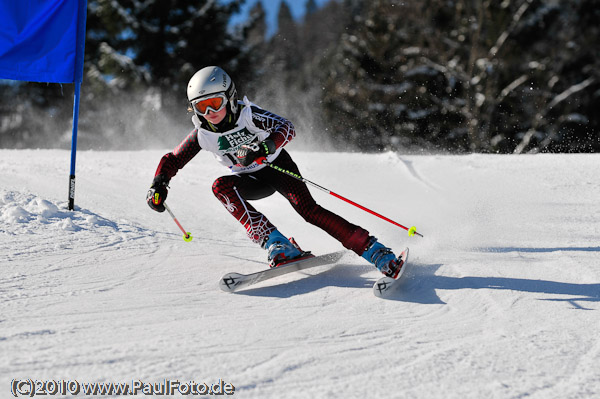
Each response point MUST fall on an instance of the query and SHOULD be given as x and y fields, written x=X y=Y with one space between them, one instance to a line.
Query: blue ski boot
x=280 y=249
x=383 y=258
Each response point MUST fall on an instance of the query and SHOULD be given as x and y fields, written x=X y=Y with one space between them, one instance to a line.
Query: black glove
x=158 y=193
x=249 y=153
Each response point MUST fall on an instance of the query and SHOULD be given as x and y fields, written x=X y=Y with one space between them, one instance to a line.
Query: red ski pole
x=187 y=236
x=411 y=231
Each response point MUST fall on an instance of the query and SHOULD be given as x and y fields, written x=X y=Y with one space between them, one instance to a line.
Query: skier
x=240 y=134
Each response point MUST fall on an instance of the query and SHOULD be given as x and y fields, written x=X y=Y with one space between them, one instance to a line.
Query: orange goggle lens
x=214 y=104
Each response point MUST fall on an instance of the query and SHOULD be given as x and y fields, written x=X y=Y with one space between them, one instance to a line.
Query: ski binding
x=385 y=285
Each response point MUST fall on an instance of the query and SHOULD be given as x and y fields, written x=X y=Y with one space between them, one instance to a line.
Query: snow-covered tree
x=465 y=75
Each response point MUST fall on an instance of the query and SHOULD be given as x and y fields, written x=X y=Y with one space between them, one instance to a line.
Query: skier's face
x=216 y=117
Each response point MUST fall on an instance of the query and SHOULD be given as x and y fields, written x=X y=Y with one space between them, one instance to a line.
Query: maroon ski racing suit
x=235 y=190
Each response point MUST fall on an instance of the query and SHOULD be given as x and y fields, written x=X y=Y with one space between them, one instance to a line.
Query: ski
x=385 y=285
x=232 y=282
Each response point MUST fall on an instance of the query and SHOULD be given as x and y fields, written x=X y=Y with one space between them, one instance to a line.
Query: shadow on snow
x=420 y=283
x=538 y=250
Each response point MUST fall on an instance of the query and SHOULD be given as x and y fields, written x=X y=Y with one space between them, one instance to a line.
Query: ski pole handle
x=187 y=236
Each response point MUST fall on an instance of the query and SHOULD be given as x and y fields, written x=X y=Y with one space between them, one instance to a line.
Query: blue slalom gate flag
x=44 y=41
x=38 y=40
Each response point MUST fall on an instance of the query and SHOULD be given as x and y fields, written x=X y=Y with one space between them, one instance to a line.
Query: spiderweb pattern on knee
x=256 y=224
x=258 y=227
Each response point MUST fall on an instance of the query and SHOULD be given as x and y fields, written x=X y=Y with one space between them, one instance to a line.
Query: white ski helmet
x=211 y=81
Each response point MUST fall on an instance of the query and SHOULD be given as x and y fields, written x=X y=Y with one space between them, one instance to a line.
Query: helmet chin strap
x=232 y=103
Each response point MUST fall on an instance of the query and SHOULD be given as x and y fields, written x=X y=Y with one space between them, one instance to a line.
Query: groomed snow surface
x=501 y=300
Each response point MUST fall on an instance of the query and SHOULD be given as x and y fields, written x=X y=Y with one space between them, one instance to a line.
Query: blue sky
x=272 y=8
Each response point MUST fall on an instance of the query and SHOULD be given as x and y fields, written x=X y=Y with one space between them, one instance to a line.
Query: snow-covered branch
x=504 y=35
x=570 y=91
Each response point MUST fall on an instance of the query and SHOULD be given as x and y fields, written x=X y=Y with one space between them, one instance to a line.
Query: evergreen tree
x=275 y=64
x=146 y=53
x=366 y=83
x=285 y=41
x=311 y=8
x=463 y=75
x=256 y=26
x=138 y=59
x=289 y=73
x=567 y=78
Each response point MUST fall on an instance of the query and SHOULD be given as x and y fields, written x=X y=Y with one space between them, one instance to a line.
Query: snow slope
x=502 y=299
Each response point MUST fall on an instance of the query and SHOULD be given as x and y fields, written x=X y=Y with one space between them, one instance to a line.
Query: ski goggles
x=214 y=104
